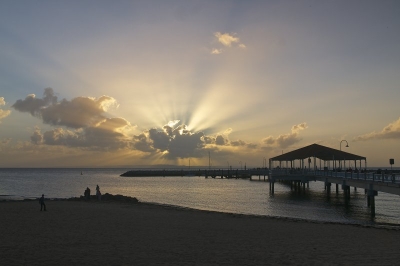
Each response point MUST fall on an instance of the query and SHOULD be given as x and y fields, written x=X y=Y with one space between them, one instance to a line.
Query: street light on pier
x=347 y=145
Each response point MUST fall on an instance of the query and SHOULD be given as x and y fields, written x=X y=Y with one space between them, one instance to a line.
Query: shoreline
x=134 y=200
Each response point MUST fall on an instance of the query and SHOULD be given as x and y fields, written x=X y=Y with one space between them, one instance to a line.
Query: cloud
x=87 y=127
x=285 y=140
x=241 y=143
x=173 y=141
x=216 y=51
x=33 y=105
x=85 y=116
x=104 y=136
x=37 y=137
x=391 y=131
x=143 y=143
x=228 y=131
x=227 y=40
x=221 y=140
x=3 y=113
x=78 y=113
x=82 y=123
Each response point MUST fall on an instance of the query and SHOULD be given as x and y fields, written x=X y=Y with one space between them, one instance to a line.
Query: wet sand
x=122 y=233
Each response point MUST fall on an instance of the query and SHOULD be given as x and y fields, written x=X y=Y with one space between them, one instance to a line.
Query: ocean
x=221 y=195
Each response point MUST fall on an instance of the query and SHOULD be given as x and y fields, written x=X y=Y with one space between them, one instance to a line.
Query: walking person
x=42 y=204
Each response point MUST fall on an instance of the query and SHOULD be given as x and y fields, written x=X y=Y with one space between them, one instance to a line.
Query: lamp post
x=347 y=145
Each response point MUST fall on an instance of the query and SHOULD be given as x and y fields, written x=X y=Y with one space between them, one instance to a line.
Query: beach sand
x=76 y=232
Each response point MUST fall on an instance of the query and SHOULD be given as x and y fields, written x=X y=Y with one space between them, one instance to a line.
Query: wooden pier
x=207 y=173
x=371 y=182
x=359 y=177
x=298 y=177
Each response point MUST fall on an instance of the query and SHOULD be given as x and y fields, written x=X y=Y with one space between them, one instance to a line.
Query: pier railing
x=364 y=175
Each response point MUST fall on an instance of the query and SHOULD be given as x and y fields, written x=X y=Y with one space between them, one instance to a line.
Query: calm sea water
x=222 y=195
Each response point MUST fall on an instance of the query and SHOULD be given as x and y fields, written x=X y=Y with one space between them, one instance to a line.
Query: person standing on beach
x=42 y=204
x=98 y=193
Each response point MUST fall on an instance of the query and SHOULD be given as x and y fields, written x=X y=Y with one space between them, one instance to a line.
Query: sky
x=196 y=83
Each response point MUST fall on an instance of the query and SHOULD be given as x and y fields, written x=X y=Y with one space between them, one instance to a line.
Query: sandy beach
x=77 y=232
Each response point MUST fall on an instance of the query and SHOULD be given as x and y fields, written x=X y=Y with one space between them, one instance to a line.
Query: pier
x=297 y=168
x=359 y=177
x=372 y=183
x=207 y=173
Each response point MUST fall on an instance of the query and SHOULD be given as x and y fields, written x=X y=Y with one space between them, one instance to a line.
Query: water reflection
x=236 y=196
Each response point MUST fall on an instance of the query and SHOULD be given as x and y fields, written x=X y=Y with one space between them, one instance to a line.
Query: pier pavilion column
x=337 y=189
x=271 y=178
x=372 y=205
x=371 y=199
x=346 y=191
x=328 y=188
x=272 y=186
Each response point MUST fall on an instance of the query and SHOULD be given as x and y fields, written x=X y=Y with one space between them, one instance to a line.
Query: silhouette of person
x=98 y=193
x=87 y=193
x=42 y=204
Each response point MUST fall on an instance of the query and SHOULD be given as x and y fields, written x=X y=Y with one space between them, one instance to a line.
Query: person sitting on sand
x=87 y=193
x=42 y=204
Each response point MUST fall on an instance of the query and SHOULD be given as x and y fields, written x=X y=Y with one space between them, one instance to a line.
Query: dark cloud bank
x=83 y=122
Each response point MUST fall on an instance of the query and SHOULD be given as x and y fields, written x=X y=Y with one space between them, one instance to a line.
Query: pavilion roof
x=318 y=151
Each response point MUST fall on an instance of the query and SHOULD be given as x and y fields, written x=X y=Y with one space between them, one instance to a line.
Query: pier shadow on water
x=314 y=203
